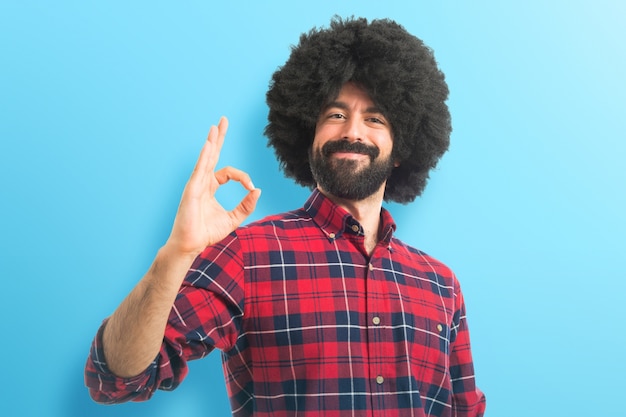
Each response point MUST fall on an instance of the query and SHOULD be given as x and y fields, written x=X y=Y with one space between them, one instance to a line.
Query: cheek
x=322 y=135
x=323 y=131
x=385 y=144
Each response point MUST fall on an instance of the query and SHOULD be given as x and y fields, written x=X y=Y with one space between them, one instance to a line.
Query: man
x=318 y=311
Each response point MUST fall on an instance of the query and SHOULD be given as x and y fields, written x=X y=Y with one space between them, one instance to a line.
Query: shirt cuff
x=106 y=387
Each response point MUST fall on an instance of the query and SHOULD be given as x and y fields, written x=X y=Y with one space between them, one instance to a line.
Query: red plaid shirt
x=310 y=325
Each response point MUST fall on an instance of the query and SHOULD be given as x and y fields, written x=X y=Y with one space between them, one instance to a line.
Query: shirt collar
x=333 y=220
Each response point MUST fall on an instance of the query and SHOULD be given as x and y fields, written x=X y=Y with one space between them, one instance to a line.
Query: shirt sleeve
x=467 y=399
x=207 y=314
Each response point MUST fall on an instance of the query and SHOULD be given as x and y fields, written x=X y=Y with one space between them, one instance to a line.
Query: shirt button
x=355 y=228
x=331 y=235
x=371 y=267
x=376 y=320
x=380 y=380
x=439 y=327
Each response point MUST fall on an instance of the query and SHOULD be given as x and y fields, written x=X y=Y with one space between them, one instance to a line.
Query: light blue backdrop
x=105 y=105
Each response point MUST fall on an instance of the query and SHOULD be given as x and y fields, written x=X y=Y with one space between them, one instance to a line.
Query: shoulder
x=277 y=223
x=422 y=261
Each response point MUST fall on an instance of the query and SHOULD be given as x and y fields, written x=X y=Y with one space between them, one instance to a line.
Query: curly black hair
x=397 y=70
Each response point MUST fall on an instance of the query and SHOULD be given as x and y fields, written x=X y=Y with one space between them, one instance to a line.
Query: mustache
x=343 y=145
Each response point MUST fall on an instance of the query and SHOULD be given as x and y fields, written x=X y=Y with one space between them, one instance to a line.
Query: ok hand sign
x=201 y=220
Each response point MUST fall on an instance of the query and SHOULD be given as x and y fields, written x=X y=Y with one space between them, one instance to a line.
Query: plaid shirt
x=310 y=325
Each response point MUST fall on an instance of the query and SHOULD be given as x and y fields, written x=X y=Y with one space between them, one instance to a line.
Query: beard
x=345 y=178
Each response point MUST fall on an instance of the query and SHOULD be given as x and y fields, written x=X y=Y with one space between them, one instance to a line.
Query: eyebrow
x=344 y=106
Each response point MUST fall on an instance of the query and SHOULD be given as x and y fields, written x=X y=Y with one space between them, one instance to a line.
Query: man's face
x=351 y=153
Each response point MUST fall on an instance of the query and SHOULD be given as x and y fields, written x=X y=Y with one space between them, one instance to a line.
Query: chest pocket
x=419 y=314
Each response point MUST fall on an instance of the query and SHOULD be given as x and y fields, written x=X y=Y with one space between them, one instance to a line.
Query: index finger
x=209 y=155
x=229 y=173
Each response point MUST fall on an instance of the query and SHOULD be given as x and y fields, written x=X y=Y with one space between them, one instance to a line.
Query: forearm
x=134 y=333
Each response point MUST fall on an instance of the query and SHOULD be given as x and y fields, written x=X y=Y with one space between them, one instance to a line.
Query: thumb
x=246 y=206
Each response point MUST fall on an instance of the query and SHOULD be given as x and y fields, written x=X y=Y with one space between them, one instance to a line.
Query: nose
x=352 y=130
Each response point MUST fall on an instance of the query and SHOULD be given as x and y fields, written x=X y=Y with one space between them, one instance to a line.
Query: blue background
x=104 y=107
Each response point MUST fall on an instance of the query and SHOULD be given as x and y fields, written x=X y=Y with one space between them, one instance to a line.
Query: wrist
x=172 y=253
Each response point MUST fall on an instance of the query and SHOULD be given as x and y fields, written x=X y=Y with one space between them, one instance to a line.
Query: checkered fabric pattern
x=310 y=325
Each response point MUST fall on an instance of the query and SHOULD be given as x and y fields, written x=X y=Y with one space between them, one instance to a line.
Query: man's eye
x=335 y=116
x=376 y=120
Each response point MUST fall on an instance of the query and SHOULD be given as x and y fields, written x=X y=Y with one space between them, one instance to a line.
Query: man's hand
x=134 y=333
x=201 y=220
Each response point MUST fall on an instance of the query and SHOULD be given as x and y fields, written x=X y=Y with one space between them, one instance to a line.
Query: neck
x=366 y=212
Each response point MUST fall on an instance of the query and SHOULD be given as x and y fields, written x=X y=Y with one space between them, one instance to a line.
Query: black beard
x=338 y=176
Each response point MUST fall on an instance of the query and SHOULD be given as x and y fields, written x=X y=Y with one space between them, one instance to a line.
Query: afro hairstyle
x=396 y=69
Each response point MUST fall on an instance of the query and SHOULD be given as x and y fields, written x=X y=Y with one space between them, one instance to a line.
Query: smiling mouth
x=349 y=155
